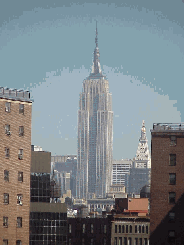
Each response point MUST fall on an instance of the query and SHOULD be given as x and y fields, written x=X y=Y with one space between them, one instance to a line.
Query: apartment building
x=167 y=184
x=15 y=160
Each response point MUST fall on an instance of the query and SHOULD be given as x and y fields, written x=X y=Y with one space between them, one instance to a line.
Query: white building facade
x=95 y=134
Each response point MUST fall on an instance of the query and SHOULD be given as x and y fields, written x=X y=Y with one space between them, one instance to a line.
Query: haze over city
x=47 y=47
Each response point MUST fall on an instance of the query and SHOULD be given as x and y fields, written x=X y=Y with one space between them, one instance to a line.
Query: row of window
x=8 y=107
x=92 y=228
x=128 y=241
x=8 y=132
x=91 y=241
x=6 y=176
x=19 y=199
x=5 y=221
x=18 y=242
x=20 y=153
x=128 y=229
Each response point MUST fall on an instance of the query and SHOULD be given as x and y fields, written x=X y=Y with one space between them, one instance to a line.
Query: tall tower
x=95 y=133
x=143 y=159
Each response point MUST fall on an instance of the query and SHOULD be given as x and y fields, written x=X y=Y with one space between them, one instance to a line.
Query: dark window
x=69 y=228
x=172 y=197
x=7 y=107
x=18 y=242
x=116 y=228
x=136 y=241
x=173 y=140
x=119 y=228
x=120 y=241
x=19 y=222
x=172 y=178
x=83 y=228
x=125 y=240
x=7 y=152
x=123 y=229
x=6 y=198
x=139 y=229
x=105 y=229
x=21 y=108
x=171 y=216
x=19 y=199
x=5 y=221
x=20 y=155
x=171 y=237
x=172 y=160
x=7 y=130
x=92 y=231
x=92 y=241
x=21 y=131
x=130 y=229
x=6 y=175
x=20 y=176
x=140 y=241
x=143 y=229
x=115 y=241
x=145 y=241
x=130 y=241
x=5 y=241
x=135 y=228
x=126 y=228
x=146 y=229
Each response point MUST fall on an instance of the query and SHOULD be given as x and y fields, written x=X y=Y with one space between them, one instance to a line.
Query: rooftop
x=15 y=94
x=168 y=127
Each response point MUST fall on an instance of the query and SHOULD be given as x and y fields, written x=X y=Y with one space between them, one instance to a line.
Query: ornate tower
x=143 y=159
x=95 y=133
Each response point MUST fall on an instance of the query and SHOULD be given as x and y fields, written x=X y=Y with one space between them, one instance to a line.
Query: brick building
x=15 y=160
x=167 y=184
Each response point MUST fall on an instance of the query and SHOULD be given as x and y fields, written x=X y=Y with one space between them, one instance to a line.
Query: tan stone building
x=15 y=160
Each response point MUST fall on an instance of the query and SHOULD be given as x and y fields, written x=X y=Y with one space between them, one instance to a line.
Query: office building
x=167 y=184
x=15 y=161
x=95 y=134
x=119 y=169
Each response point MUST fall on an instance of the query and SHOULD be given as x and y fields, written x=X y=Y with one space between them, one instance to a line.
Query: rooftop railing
x=15 y=94
x=168 y=126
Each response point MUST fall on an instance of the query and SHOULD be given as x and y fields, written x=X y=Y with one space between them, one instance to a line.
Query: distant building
x=167 y=184
x=117 y=191
x=119 y=169
x=15 y=161
x=100 y=204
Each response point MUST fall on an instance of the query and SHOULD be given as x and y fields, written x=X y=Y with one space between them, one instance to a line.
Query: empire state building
x=95 y=134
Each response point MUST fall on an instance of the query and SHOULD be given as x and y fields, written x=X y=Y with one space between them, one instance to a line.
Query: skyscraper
x=95 y=133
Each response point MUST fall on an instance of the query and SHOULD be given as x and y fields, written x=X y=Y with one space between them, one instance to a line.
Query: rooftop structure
x=14 y=94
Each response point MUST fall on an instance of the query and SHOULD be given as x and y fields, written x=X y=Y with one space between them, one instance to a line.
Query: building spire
x=96 y=69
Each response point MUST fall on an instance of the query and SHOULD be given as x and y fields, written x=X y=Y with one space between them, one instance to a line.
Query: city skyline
x=45 y=48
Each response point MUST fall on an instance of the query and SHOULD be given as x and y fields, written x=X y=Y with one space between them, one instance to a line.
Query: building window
x=119 y=228
x=129 y=241
x=21 y=108
x=69 y=241
x=140 y=241
x=139 y=229
x=83 y=241
x=125 y=240
x=172 y=178
x=91 y=228
x=130 y=229
x=105 y=229
x=18 y=242
x=20 y=176
x=116 y=228
x=83 y=228
x=143 y=229
x=145 y=241
x=104 y=241
x=123 y=229
x=115 y=241
x=7 y=130
x=7 y=152
x=19 y=222
x=146 y=229
x=172 y=160
x=120 y=241
x=136 y=241
x=7 y=107
x=69 y=228
x=171 y=216
x=92 y=241
x=5 y=241
x=173 y=140
x=20 y=199
x=5 y=221
x=20 y=155
x=172 y=197
x=21 y=131
x=6 y=175
x=6 y=198
x=135 y=228
x=126 y=228
x=171 y=237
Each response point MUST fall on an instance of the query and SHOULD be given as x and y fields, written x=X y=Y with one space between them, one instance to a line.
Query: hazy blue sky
x=47 y=47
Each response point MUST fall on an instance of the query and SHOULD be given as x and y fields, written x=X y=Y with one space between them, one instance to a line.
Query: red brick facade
x=161 y=226
x=14 y=165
